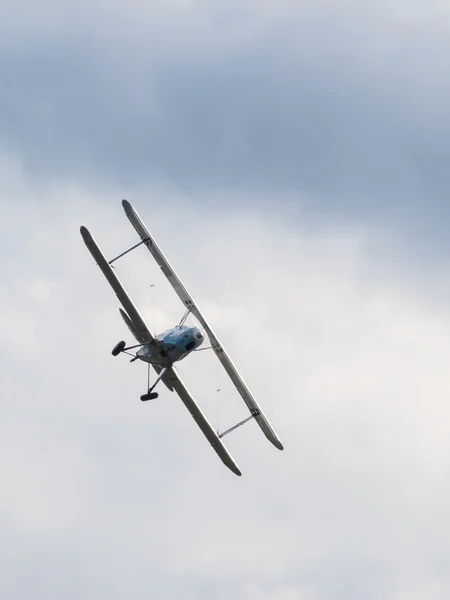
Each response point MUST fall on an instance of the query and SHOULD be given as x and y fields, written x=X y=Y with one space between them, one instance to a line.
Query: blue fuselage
x=172 y=345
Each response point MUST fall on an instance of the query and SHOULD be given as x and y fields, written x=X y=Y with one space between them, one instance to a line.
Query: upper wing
x=141 y=330
x=202 y=421
x=189 y=303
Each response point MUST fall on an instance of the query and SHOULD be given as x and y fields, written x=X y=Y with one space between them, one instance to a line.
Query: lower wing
x=202 y=422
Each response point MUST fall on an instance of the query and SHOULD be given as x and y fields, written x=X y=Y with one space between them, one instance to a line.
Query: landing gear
x=149 y=396
x=118 y=348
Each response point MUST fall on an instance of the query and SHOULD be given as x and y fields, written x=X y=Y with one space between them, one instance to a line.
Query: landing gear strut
x=151 y=395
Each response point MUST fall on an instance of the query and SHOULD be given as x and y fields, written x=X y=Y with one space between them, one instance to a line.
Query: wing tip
x=270 y=434
x=85 y=233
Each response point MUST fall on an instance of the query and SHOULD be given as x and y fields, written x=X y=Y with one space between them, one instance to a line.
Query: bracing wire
x=217 y=400
x=152 y=306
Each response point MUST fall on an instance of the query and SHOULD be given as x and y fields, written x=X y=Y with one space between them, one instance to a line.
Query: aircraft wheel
x=118 y=348
x=150 y=396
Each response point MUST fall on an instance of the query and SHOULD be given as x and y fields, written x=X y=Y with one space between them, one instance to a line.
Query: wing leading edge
x=187 y=300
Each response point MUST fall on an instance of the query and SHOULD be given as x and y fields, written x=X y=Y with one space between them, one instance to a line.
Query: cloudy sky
x=291 y=159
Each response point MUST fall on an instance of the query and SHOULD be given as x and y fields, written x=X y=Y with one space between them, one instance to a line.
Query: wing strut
x=237 y=425
x=126 y=251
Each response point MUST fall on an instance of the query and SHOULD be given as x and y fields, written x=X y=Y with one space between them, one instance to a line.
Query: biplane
x=163 y=351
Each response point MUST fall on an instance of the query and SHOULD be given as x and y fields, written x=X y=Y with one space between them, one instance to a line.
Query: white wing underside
x=187 y=300
x=142 y=334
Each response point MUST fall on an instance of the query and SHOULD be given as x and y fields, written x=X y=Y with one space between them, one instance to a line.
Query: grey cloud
x=343 y=109
x=105 y=496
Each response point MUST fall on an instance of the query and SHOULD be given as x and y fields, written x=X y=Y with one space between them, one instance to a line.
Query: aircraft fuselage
x=172 y=345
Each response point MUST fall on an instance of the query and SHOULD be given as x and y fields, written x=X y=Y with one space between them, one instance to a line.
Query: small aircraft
x=164 y=350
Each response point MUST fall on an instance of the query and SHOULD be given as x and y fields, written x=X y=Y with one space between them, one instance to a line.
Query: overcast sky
x=292 y=161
